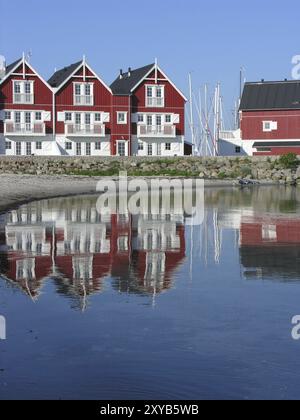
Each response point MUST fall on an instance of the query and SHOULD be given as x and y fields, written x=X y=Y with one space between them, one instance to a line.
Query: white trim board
x=156 y=67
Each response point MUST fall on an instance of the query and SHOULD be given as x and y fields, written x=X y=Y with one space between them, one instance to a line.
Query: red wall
x=65 y=100
x=174 y=102
x=288 y=125
x=120 y=131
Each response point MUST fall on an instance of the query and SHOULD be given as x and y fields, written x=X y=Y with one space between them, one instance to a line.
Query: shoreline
x=17 y=190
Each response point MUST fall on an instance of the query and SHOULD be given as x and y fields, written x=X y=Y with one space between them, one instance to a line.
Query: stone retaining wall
x=258 y=168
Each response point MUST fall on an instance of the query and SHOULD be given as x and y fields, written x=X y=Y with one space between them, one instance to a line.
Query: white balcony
x=85 y=130
x=16 y=129
x=23 y=98
x=155 y=102
x=156 y=131
x=84 y=100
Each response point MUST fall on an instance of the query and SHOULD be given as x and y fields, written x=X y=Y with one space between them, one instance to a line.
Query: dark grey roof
x=61 y=75
x=11 y=66
x=276 y=144
x=271 y=95
x=125 y=85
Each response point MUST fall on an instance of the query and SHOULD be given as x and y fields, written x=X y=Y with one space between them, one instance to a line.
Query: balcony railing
x=156 y=131
x=23 y=98
x=80 y=130
x=16 y=129
x=156 y=102
x=83 y=100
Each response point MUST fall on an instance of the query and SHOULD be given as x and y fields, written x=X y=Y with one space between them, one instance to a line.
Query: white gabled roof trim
x=23 y=61
x=156 y=67
x=83 y=63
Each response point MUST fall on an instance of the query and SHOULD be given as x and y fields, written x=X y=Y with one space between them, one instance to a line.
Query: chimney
x=2 y=67
x=121 y=74
x=129 y=71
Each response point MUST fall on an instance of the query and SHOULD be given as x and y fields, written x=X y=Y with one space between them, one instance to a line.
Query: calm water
x=126 y=307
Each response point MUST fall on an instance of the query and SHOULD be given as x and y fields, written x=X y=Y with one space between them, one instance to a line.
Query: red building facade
x=75 y=113
x=270 y=118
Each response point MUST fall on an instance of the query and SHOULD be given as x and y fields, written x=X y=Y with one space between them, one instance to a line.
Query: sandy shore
x=20 y=189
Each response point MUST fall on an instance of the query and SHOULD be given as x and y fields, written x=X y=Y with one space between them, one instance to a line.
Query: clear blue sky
x=211 y=38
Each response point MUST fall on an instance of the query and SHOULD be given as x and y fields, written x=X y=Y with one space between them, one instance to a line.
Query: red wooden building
x=83 y=103
x=76 y=114
x=270 y=118
x=26 y=111
x=148 y=114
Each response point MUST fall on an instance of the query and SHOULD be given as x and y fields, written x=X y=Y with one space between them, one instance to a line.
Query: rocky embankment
x=278 y=170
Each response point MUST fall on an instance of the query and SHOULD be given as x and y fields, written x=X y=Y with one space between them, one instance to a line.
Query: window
x=140 y=146
x=87 y=119
x=8 y=145
x=17 y=87
x=17 y=117
x=155 y=96
x=68 y=145
x=68 y=116
x=140 y=118
x=150 y=149
x=88 y=149
x=98 y=145
x=23 y=92
x=237 y=149
x=149 y=120
x=168 y=119
x=7 y=115
x=121 y=148
x=87 y=90
x=39 y=145
x=77 y=89
x=78 y=149
x=97 y=117
x=168 y=146
x=83 y=94
x=158 y=120
x=269 y=126
x=18 y=148
x=77 y=119
x=38 y=116
x=122 y=117
x=28 y=149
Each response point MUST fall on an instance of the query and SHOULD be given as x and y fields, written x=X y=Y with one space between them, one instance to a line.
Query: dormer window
x=23 y=92
x=155 y=96
x=83 y=94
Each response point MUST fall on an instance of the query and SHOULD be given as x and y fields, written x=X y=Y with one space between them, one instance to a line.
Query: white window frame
x=83 y=93
x=7 y=115
x=154 y=96
x=125 y=114
x=98 y=145
x=269 y=126
x=168 y=147
x=67 y=144
x=22 y=93
x=39 y=145
x=68 y=114
x=8 y=145
x=123 y=142
x=39 y=113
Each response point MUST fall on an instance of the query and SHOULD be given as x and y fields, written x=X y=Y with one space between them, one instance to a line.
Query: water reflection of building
x=68 y=241
x=270 y=247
